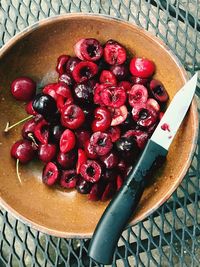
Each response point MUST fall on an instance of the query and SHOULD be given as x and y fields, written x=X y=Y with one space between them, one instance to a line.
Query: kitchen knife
x=124 y=203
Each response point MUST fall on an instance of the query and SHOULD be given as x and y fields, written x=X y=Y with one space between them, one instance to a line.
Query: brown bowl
x=33 y=53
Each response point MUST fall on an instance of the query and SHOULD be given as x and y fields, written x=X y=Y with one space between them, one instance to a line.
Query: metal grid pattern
x=171 y=235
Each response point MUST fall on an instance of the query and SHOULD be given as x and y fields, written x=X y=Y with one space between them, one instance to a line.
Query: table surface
x=171 y=235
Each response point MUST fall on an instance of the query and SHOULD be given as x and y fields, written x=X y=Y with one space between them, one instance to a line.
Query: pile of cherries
x=90 y=126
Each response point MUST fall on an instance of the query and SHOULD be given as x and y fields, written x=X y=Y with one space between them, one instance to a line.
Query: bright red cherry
x=142 y=67
x=67 y=141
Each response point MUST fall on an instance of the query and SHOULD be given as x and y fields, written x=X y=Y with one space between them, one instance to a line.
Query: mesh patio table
x=171 y=235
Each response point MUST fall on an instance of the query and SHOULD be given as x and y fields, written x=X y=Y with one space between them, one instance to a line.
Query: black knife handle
x=122 y=206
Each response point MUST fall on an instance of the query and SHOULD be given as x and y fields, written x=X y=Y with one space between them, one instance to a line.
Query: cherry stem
x=33 y=139
x=17 y=171
x=9 y=127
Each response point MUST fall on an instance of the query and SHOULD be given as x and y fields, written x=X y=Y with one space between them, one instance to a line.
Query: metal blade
x=174 y=115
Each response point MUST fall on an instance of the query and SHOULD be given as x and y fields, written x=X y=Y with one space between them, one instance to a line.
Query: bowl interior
x=34 y=53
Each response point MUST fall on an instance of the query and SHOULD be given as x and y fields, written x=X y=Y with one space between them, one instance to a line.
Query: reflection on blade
x=174 y=115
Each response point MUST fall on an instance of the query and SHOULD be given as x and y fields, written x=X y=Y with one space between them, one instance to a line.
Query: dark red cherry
x=29 y=108
x=23 y=150
x=97 y=191
x=128 y=123
x=84 y=71
x=90 y=171
x=82 y=158
x=114 y=132
x=114 y=53
x=50 y=174
x=142 y=67
x=71 y=63
x=88 y=49
x=109 y=175
x=120 y=71
x=82 y=136
x=28 y=128
x=45 y=105
x=67 y=160
x=122 y=165
x=46 y=152
x=108 y=77
x=41 y=131
x=90 y=150
x=72 y=116
x=68 y=179
x=83 y=92
x=83 y=187
x=110 y=160
x=109 y=191
x=143 y=115
x=55 y=132
x=126 y=85
x=125 y=144
x=113 y=97
x=141 y=137
x=158 y=91
x=101 y=142
x=50 y=89
x=61 y=64
x=23 y=88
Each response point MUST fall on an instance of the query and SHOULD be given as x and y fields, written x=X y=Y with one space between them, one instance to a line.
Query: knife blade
x=124 y=203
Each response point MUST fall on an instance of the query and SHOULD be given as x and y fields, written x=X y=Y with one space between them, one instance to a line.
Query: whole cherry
x=45 y=105
x=46 y=152
x=67 y=160
x=83 y=186
x=23 y=150
x=142 y=67
x=23 y=88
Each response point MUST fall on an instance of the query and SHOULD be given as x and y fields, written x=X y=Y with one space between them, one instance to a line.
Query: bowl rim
x=47 y=21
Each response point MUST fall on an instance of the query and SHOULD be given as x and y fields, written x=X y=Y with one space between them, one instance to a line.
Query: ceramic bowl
x=34 y=53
